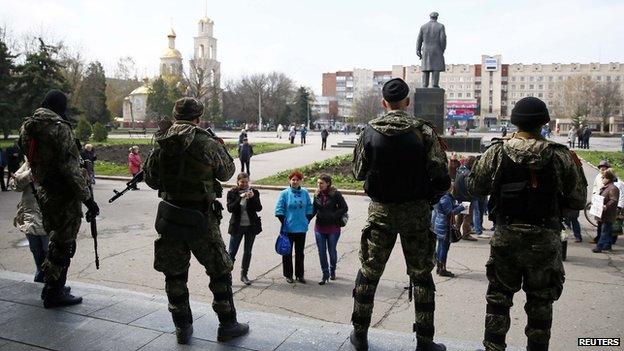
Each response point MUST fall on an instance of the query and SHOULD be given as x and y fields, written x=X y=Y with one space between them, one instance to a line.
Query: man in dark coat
x=14 y=159
x=430 y=48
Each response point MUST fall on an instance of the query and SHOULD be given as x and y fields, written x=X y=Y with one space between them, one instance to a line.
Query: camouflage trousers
x=62 y=216
x=527 y=257
x=411 y=221
x=172 y=256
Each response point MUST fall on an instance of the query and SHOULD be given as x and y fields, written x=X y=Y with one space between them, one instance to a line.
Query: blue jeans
x=39 y=247
x=442 y=249
x=573 y=223
x=605 y=240
x=235 y=241
x=476 y=217
x=325 y=243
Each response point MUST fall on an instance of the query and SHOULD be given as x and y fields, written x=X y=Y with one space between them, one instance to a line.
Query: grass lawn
x=112 y=154
x=615 y=159
x=339 y=168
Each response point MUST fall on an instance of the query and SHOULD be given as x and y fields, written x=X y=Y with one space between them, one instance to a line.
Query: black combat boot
x=359 y=339
x=229 y=328
x=422 y=345
x=59 y=298
x=183 y=326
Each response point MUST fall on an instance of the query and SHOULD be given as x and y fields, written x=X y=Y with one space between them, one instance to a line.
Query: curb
x=231 y=185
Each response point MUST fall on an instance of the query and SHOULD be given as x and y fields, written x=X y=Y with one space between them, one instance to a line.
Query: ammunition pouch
x=175 y=221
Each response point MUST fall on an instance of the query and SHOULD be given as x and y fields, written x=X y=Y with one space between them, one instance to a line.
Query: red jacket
x=134 y=163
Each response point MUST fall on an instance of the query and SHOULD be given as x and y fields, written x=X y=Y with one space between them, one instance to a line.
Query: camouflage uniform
x=411 y=220
x=524 y=255
x=184 y=166
x=54 y=157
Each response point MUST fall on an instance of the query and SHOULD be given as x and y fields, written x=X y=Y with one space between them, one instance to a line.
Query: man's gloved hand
x=92 y=209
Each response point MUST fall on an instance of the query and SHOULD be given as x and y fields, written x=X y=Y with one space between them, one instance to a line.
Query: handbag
x=454 y=232
x=282 y=244
x=344 y=220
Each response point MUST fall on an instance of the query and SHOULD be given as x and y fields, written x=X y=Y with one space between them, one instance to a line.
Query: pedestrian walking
x=280 y=129
x=405 y=168
x=3 y=163
x=572 y=137
x=303 y=132
x=292 y=134
x=245 y=151
x=324 y=135
x=611 y=195
x=89 y=157
x=294 y=211
x=587 y=132
x=185 y=166
x=441 y=221
x=243 y=202
x=28 y=218
x=530 y=180
x=134 y=163
x=504 y=131
x=465 y=221
x=61 y=206
x=570 y=219
x=330 y=209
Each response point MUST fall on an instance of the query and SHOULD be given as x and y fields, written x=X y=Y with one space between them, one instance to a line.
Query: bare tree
x=607 y=97
x=367 y=106
x=199 y=83
x=573 y=98
x=125 y=69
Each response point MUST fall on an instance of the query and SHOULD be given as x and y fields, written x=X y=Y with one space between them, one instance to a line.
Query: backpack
x=460 y=191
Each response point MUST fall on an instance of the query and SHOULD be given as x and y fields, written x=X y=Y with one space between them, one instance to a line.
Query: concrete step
x=115 y=319
x=346 y=144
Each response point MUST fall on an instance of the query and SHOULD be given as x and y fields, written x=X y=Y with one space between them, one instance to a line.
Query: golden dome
x=171 y=53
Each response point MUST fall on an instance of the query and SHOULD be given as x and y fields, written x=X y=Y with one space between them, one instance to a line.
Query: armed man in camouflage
x=405 y=168
x=59 y=187
x=532 y=181
x=184 y=167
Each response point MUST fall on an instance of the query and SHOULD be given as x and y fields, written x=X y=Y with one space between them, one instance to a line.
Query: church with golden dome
x=204 y=68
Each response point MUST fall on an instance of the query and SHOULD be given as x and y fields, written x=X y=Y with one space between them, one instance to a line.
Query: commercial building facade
x=491 y=88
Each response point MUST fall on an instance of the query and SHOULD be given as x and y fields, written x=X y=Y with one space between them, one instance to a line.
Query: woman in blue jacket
x=440 y=221
x=294 y=210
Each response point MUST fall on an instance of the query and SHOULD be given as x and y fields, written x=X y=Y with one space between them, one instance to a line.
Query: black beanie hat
x=530 y=112
x=395 y=90
x=56 y=101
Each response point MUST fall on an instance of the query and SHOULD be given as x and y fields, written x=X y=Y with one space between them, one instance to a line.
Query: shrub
x=83 y=129
x=100 y=133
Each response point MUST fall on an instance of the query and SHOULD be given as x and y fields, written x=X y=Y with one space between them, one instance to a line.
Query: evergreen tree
x=213 y=110
x=83 y=129
x=92 y=95
x=159 y=100
x=40 y=72
x=8 y=118
x=301 y=108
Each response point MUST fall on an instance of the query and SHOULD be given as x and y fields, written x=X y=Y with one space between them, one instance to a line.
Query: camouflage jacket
x=400 y=122
x=186 y=162
x=536 y=152
x=50 y=145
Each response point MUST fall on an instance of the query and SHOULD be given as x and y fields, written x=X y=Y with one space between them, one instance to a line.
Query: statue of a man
x=430 y=49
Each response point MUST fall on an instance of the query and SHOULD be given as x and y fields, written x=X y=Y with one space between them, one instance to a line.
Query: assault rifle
x=129 y=185
x=91 y=218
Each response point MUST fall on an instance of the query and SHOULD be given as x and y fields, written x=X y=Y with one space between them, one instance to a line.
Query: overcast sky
x=304 y=38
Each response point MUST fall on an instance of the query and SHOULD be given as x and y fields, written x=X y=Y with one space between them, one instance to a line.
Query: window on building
x=461 y=79
x=460 y=95
x=521 y=86
x=531 y=78
x=452 y=95
x=540 y=87
x=522 y=79
x=560 y=78
x=539 y=78
x=468 y=95
x=513 y=102
x=540 y=95
x=200 y=52
x=531 y=86
x=513 y=79
x=550 y=78
x=513 y=87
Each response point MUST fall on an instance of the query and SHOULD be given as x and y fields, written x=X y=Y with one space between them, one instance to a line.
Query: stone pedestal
x=429 y=105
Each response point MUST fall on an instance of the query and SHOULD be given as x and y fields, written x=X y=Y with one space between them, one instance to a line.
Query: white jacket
x=28 y=218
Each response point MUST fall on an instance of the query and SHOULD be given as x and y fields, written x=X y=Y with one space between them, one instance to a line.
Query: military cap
x=188 y=108
x=530 y=112
x=604 y=163
x=395 y=90
x=55 y=100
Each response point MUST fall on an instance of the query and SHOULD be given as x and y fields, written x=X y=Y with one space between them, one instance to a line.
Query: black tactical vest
x=396 y=167
x=526 y=195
